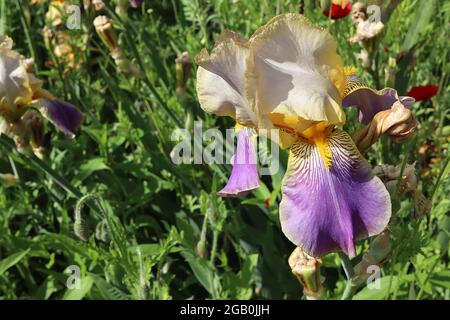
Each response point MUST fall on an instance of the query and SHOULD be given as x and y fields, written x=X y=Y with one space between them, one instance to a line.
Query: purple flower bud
x=63 y=115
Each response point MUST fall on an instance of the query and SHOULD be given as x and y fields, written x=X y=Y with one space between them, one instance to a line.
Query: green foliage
x=139 y=227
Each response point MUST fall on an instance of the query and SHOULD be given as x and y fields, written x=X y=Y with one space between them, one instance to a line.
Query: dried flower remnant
x=307 y=270
x=66 y=47
x=390 y=175
x=382 y=111
x=98 y=5
x=105 y=30
x=183 y=65
x=428 y=155
x=365 y=29
x=366 y=33
x=398 y=123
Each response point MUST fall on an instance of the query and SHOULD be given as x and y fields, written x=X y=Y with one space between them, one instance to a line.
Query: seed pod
x=102 y=232
x=81 y=228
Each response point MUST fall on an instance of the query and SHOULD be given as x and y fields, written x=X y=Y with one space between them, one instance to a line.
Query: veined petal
x=244 y=175
x=294 y=70
x=220 y=79
x=63 y=115
x=369 y=101
x=328 y=208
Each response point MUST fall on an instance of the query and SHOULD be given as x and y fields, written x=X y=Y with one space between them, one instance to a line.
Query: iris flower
x=289 y=76
x=21 y=91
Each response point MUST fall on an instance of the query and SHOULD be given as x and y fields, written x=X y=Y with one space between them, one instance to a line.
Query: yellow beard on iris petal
x=318 y=135
x=314 y=132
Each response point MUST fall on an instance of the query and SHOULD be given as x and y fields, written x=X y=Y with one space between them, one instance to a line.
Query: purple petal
x=327 y=209
x=244 y=175
x=368 y=101
x=63 y=115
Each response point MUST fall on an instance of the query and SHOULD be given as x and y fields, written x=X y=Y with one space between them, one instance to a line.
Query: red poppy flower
x=423 y=92
x=337 y=11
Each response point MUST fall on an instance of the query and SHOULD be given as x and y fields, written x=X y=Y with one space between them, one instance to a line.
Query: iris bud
x=105 y=30
x=98 y=5
x=307 y=270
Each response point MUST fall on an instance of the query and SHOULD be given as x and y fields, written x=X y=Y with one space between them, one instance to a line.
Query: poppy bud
x=200 y=249
x=102 y=232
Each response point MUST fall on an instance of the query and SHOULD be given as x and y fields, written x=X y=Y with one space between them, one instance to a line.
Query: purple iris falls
x=244 y=175
x=324 y=209
x=63 y=115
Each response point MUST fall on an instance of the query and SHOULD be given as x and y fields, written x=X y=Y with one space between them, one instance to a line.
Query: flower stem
x=214 y=247
x=41 y=165
x=349 y=290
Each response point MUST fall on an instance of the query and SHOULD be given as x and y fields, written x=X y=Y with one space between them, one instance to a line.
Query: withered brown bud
x=183 y=65
x=105 y=29
x=307 y=270
x=398 y=123
x=98 y=5
x=358 y=12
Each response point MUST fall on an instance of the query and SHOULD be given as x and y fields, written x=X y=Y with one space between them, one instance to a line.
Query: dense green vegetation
x=140 y=227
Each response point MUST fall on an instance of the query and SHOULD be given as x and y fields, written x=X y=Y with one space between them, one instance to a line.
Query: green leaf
x=12 y=260
x=441 y=279
x=380 y=292
x=107 y=290
x=80 y=293
x=421 y=20
x=46 y=289
x=202 y=271
x=91 y=166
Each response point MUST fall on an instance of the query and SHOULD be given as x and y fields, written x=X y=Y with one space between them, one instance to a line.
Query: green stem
x=349 y=290
x=2 y=18
x=27 y=31
x=422 y=287
x=214 y=246
x=41 y=165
